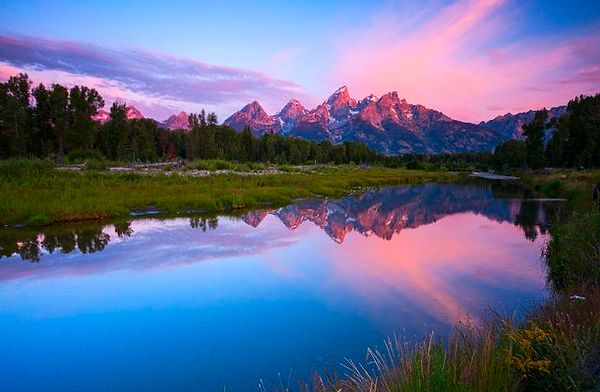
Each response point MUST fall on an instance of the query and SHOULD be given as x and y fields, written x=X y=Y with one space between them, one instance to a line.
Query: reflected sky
x=198 y=304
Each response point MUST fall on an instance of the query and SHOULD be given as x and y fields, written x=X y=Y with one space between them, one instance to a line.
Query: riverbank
x=38 y=192
x=555 y=348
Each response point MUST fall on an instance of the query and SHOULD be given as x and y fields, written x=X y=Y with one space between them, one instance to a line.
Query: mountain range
x=387 y=124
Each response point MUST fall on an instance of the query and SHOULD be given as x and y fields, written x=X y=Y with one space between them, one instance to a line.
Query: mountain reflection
x=383 y=213
x=386 y=212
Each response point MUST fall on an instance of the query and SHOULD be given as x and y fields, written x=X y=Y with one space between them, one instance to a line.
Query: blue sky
x=307 y=49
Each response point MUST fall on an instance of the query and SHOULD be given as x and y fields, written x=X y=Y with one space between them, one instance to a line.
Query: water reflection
x=386 y=212
x=202 y=303
x=383 y=213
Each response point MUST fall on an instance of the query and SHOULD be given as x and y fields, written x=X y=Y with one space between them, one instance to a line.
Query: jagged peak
x=341 y=93
x=254 y=103
x=391 y=94
x=293 y=103
x=343 y=89
x=253 y=107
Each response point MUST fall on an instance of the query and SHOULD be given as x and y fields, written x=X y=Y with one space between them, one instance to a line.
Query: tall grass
x=555 y=349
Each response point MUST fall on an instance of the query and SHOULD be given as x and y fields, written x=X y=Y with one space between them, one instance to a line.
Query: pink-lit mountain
x=174 y=122
x=177 y=121
x=103 y=116
x=254 y=116
x=387 y=124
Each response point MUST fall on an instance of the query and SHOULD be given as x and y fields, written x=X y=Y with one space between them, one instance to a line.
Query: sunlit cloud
x=158 y=84
x=458 y=60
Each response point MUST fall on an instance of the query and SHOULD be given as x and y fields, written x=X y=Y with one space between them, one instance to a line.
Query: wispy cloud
x=158 y=83
x=461 y=59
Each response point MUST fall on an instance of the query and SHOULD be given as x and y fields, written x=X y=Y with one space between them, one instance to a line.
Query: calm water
x=196 y=304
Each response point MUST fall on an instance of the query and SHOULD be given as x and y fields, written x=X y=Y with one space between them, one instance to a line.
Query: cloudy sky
x=471 y=59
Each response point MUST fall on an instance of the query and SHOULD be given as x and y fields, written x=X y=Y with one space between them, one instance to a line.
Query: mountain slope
x=510 y=126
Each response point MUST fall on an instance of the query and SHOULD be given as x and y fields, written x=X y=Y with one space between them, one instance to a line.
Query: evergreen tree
x=59 y=115
x=16 y=116
x=43 y=143
x=583 y=145
x=247 y=145
x=556 y=150
x=202 y=118
x=83 y=104
x=534 y=139
x=211 y=119
x=512 y=153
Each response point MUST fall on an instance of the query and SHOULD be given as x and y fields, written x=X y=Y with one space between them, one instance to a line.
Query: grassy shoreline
x=555 y=348
x=36 y=192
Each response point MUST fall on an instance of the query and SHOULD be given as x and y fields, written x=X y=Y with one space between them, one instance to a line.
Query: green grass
x=36 y=188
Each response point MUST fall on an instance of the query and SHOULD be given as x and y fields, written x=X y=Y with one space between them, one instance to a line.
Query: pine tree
x=534 y=139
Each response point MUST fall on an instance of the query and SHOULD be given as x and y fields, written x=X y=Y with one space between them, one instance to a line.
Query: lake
x=219 y=303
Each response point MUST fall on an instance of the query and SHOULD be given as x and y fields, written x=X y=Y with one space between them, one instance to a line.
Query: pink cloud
x=453 y=62
x=157 y=83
